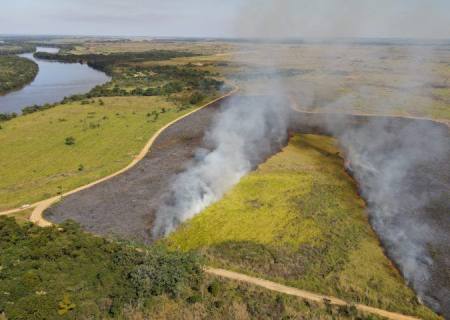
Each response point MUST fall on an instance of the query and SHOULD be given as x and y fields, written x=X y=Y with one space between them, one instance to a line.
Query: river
x=54 y=81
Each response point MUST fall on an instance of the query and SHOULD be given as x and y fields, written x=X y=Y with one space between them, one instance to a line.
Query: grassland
x=298 y=219
x=379 y=79
x=15 y=72
x=107 y=47
x=38 y=159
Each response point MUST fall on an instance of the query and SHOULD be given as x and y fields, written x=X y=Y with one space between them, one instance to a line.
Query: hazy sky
x=229 y=18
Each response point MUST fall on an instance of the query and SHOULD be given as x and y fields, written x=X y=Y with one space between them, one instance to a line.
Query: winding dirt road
x=273 y=286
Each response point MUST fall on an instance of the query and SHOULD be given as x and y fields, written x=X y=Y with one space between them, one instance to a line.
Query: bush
x=196 y=98
x=214 y=288
x=69 y=141
x=194 y=299
x=164 y=272
x=7 y=116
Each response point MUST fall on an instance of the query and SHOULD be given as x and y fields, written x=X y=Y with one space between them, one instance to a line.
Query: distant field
x=59 y=149
x=380 y=79
x=298 y=219
x=140 y=46
x=15 y=72
x=395 y=80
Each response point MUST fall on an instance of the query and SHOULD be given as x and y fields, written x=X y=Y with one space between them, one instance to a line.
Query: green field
x=298 y=220
x=15 y=72
x=38 y=160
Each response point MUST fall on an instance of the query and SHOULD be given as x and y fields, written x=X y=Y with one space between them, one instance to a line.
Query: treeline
x=15 y=72
x=63 y=273
x=11 y=48
x=105 y=62
x=172 y=79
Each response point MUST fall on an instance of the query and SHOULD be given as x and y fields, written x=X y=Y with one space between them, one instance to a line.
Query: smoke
x=402 y=166
x=243 y=135
x=402 y=169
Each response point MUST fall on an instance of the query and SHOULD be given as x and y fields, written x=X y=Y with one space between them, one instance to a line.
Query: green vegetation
x=65 y=140
x=21 y=216
x=234 y=300
x=105 y=62
x=64 y=273
x=15 y=72
x=16 y=47
x=298 y=219
x=131 y=76
x=181 y=83
x=42 y=153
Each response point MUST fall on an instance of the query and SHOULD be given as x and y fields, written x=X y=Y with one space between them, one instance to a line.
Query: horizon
x=410 y=19
x=112 y=37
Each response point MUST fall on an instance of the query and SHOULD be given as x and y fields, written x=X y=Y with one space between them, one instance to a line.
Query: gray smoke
x=243 y=135
x=403 y=170
x=402 y=167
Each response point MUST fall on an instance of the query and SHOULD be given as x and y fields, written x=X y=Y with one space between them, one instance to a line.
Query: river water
x=55 y=80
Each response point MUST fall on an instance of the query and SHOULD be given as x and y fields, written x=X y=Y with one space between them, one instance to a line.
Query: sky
x=229 y=18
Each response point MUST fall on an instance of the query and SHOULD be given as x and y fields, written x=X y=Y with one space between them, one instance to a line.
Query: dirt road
x=273 y=286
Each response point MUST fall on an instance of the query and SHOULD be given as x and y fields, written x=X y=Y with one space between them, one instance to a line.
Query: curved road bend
x=124 y=206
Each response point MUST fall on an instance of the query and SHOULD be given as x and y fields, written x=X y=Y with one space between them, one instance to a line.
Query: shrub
x=214 y=288
x=196 y=97
x=194 y=299
x=164 y=272
x=69 y=141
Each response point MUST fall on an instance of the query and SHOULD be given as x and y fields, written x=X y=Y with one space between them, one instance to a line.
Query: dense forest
x=15 y=72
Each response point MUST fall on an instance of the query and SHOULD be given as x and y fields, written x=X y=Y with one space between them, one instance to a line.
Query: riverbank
x=15 y=73
x=53 y=82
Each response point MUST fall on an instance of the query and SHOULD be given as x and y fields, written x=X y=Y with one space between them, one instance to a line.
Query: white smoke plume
x=397 y=165
x=243 y=135
x=402 y=169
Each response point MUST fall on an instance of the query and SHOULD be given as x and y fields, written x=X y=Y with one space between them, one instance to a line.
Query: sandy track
x=273 y=286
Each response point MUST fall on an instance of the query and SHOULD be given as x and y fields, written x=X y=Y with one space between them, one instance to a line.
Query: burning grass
x=298 y=219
